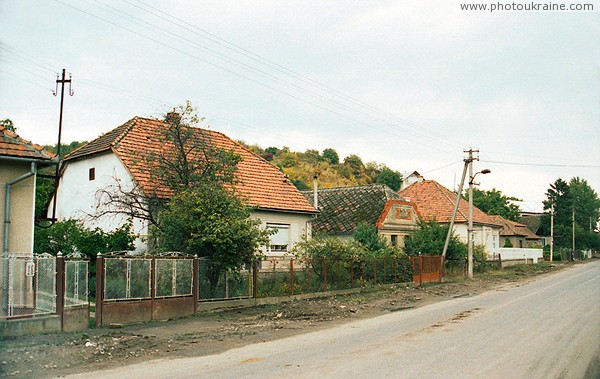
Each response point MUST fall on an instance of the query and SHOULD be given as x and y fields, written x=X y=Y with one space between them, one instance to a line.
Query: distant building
x=342 y=209
x=410 y=178
x=517 y=235
x=436 y=202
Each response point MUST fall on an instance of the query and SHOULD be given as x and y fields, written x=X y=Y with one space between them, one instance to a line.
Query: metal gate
x=427 y=268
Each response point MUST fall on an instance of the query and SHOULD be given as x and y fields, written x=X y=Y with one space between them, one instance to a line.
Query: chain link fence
x=28 y=285
x=76 y=282
x=221 y=285
x=299 y=276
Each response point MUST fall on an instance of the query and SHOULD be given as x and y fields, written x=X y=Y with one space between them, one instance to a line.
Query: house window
x=280 y=239
x=394 y=240
x=92 y=173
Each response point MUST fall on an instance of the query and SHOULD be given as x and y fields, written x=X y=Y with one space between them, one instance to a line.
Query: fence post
x=374 y=271
x=99 y=288
x=152 y=285
x=195 y=281
x=60 y=288
x=291 y=276
x=351 y=272
x=420 y=270
x=254 y=279
x=324 y=275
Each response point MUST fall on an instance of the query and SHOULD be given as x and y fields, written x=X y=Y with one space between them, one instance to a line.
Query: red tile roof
x=263 y=184
x=512 y=228
x=11 y=145
x=436 y=202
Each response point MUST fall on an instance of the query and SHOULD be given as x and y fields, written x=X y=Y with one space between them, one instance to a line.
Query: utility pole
x=62 y=81
x=458 y=195
x=551 y=232
x=573 y=231
x=470 y=228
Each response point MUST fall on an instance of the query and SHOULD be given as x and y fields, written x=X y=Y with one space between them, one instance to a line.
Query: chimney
x=173 y=116
x=315 y=191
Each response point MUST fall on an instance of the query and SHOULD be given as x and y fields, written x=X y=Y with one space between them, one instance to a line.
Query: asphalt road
x=549 y=328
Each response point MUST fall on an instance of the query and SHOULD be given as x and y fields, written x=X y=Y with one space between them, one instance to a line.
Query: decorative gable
x=398 y=214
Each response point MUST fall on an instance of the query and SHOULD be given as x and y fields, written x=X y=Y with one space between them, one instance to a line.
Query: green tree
x=430 y=237
x=574 y=198
x=389 y=177
x=210 y=222
x=300 y=185
x=187 y=160
x=8 y=125
x=354 y=162
x=70 y=236
x=368 y=237
x=331 y=156
x=495 y=203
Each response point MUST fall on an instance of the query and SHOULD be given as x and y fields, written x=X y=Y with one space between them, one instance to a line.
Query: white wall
x=77 y=194
x=487 y=236
x=507 y=254
x=296 y=221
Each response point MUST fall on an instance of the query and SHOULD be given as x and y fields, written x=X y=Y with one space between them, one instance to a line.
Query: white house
x=117 y=159
x=436 y=202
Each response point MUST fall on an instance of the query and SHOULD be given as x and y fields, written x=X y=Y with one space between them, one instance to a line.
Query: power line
x=543 y=164
x=152 y=39
x=271 y=64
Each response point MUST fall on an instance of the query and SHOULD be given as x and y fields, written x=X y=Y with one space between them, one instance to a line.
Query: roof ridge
x=347 y=187
x=118 y=138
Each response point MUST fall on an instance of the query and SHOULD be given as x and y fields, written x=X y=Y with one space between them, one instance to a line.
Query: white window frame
x=280 y=248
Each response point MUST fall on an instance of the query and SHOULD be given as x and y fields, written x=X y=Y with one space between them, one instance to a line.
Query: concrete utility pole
x=458 y=194
x=573 y=228
x=470 y=228
x=471 y=239
x=551 y=232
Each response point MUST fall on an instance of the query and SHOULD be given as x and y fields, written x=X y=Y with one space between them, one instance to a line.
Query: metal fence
x=129 y=278
x=76 y=282
x=217 y=285
x=297 y=276
x=133 y=288
x=28 y=285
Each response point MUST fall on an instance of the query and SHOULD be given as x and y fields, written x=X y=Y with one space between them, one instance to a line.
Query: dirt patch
x=210 y=333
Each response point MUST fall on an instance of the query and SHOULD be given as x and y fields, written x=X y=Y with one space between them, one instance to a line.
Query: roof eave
x=41 y=161
x=283 y=210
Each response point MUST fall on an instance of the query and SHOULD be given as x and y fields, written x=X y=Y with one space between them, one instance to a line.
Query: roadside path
x=548 y=328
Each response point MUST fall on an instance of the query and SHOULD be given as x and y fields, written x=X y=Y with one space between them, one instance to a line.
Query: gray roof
x=342 y=209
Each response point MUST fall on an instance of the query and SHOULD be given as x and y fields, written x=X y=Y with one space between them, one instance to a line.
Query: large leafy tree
x=575 y=205
x=493 y=202
x=210 y=222
x=430 y=237
x=389 y=177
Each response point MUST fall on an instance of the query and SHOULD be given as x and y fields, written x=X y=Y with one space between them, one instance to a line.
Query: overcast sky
x=410 y=84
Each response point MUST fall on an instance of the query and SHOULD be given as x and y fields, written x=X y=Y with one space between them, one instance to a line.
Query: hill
x=332 y=172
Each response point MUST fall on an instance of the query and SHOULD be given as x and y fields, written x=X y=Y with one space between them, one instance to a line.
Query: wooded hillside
x=331 y=170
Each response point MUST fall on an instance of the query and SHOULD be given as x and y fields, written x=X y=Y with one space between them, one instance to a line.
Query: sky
x=409 y=84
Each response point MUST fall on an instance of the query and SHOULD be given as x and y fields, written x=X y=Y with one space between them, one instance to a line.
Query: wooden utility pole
x=62 y=81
